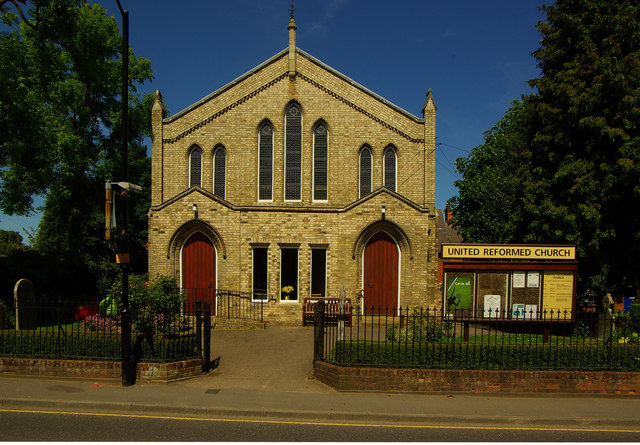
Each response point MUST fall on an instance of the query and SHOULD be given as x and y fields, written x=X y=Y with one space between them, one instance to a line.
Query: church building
x=291 y=181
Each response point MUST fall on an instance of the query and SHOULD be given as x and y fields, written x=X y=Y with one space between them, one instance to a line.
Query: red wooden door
x=199 y=271
x=381 y=274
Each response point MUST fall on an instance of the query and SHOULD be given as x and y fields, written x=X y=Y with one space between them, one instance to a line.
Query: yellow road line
x=300 y=422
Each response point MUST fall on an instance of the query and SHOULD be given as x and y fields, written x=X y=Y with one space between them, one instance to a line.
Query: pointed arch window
x=365 y=171
x=320 y=161
x=195 y=167
x=219 y=171
x=390 y=174
x=265 y=162
x=293 y=154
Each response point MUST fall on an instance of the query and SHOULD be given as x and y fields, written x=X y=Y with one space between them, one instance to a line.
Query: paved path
x=275 y=359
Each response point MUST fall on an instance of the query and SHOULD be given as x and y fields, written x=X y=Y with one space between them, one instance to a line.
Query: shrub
x=153 y=305
x=627 y=324
x=634 y=318
x=7 y=317
x=582 y=329
x=421 y=327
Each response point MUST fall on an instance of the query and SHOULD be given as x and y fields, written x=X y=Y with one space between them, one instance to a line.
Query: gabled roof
x=281 y=54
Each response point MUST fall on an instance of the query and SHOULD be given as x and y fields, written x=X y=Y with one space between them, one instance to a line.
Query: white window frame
x=253 y=291
x=326 y=250
x=297 y=287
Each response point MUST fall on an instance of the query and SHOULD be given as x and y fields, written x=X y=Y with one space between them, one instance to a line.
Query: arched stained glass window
x=219 y=172
x=265 y=162
x=293 y=154
x=365 y=172
x=195 y=167
x=390 y=168
x=320 y=158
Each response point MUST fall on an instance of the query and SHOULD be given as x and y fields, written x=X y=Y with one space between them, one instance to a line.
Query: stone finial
x=429 y=103
x=157 y=101
x=158 y=104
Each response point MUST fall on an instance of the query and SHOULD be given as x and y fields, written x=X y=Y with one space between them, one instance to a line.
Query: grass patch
x=529 y=339
x=484 y=354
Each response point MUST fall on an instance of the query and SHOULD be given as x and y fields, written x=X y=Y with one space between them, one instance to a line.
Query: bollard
x=318 y=332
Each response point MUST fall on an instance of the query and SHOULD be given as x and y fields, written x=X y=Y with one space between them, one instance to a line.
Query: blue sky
x=474 y=54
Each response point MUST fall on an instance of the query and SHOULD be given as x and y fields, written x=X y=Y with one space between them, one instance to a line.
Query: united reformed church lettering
x=509 y=252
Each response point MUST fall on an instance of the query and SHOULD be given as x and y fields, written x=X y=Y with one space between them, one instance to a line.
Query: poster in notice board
x=518 y=279
x=557 y=293
x=533 y=279
x=459 y=292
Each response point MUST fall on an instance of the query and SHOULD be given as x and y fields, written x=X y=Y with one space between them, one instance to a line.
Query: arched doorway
x=380 y=274
x=198 y=271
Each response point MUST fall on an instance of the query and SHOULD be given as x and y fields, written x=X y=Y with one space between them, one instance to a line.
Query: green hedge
x=95 y=346
x=450 y=355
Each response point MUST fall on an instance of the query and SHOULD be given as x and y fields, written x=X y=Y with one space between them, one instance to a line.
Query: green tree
x=9 y=241
x=10 y=237
x=60 y=123
x=583 y=181
x=488 y=207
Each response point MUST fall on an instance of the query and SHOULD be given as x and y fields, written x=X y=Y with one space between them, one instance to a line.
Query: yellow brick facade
x=354 y=117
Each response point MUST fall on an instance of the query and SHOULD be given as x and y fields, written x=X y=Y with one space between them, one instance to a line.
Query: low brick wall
x=346 y=378
x=146 y=371
x=169 y=372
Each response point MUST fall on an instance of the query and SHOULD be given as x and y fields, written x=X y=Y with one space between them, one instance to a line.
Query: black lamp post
x=128 y=373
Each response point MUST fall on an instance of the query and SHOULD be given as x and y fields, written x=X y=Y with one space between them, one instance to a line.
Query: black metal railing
x=429 y=338
x=229 y=304
x=66 y=329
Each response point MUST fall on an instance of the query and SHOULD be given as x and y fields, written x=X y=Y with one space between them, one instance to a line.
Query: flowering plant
x=286 y=291
x=98 y=323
